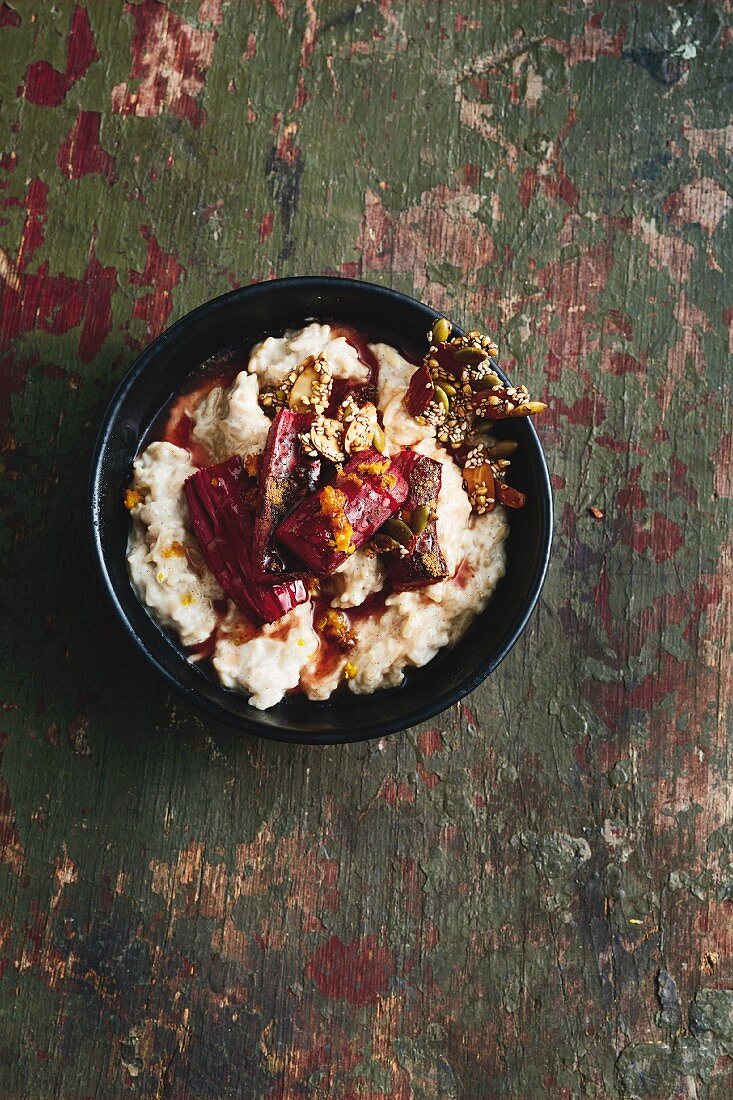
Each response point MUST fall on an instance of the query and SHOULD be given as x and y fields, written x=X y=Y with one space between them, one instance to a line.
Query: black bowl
x=158 y=374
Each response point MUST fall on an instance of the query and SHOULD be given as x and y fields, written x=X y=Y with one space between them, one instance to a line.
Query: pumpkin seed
x=420 y=518
x=378 y=439
x=470 y=355
x=502 y=449
x=398 y=530
x=443 y=398
x=529 y=408
x=441 y=330
x=448 y=388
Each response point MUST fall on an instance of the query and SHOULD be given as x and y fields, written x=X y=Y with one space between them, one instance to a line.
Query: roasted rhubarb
x=420 y=561
x=224 y=526
x=287 y=474
x=327 y=527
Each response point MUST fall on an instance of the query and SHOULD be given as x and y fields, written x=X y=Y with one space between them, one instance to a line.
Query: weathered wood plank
x=533 y=896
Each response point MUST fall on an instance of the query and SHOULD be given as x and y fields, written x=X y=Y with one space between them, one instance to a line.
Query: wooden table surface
x=533 y=896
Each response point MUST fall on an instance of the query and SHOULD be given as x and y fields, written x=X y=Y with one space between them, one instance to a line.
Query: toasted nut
x=443 y=398
x=420 y=392
x=379 y=440
x=420 y=518
x=311 y=385
x=360 y=431
x=327 y=436
x=488 y=381
x=398 y=530
x=442 y=329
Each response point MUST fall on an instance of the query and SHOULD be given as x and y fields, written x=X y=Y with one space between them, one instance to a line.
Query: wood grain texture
x=532 y=897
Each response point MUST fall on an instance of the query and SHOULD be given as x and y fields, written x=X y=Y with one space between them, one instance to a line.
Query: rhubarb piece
x=287 y=474
x=224 y=528
x=421 y=562
x=327 y=527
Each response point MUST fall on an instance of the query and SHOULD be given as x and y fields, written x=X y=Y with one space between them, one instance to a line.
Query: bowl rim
x=217 y=711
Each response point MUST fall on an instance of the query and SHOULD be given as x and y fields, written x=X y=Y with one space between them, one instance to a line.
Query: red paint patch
x=81 y=154
x=570 y=285
x=724 y=467
x=8 y=16
x=392 y=792
x=46 y=86
x=527 y=186
x=54 y=303
x=471 y=175
x=266 y=226
x=588 y=409
x=170 y=60
x=562 y=187
x=250 y=49
x=662 y=537
x=703 y=202
x=631 y=498
x=407 y=240
x=619 y=446
x=592 y=44
x=430 y=742
x=358 y=972
x=430 y=779
x=621 y=363
x=162 y=271
x=614 y=699
x=617 y=322
x=210 y=11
